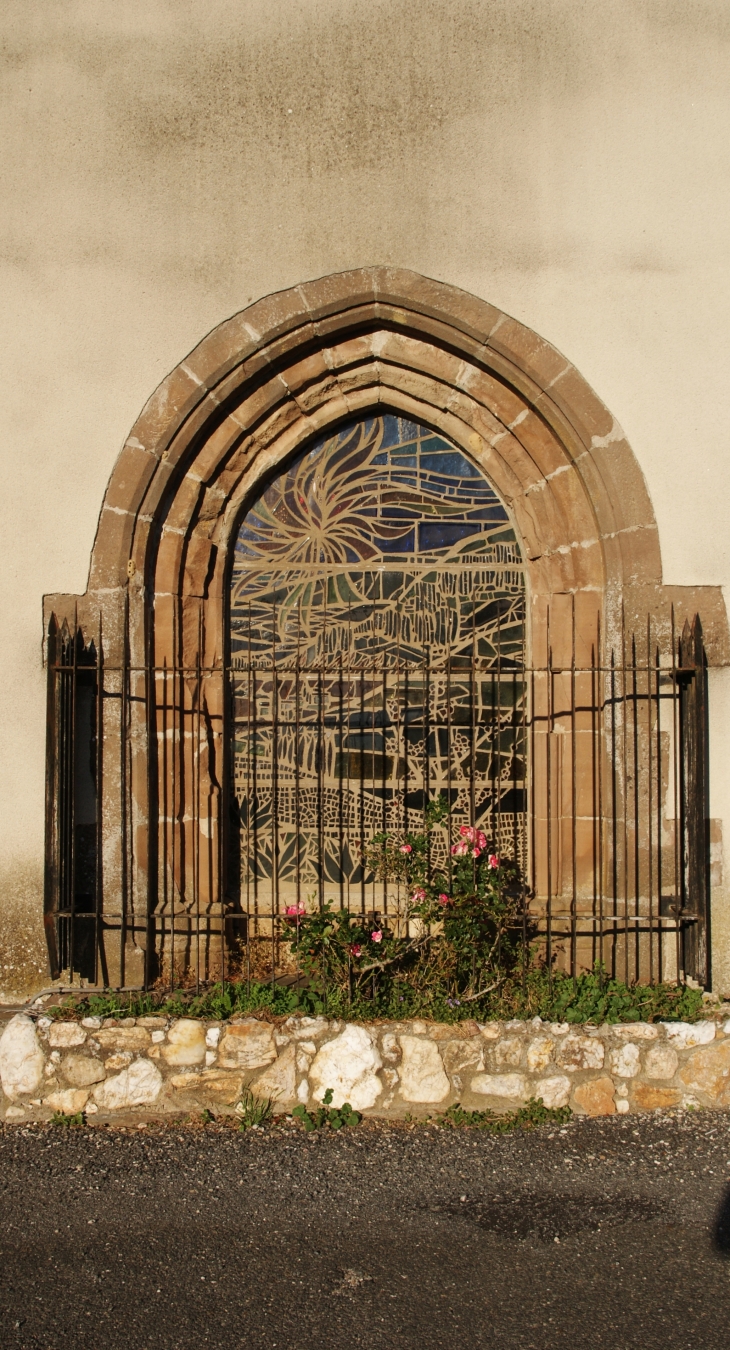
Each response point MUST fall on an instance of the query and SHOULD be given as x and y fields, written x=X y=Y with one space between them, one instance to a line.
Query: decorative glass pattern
x=377 y=633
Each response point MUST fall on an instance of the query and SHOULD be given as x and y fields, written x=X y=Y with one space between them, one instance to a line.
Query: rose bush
x=455 y=930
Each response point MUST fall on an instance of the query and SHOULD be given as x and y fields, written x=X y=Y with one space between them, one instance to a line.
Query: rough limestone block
x=348 y=1064
x=661 y=1062
x=595 y=1098
x=422 y=1077
x=636 y=1031
x=82 y=1071
x=124 y=1038
x=139 y=1085
x=70 y=1101
x=626 y=1062
x=539 y=1054
x=508 y=1053
x=684 y=1035
x=64 y=1034
x=646 y=1097
x=708 y=1071
x=307 y=1028
x=389 y=1048
x=224 y=1085
x=491 y=1031
x=247 y=1045
x=580 y=1052
x=185 y=1043
x=21 y=1057
x=459 y=1056
x=512 y=1085
x=279 y=1081
x=554 y=1091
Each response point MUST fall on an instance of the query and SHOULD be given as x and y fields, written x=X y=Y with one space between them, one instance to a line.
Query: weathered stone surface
x=121 y=1059
x=390 y=1048
x=708 y=1071
x=307 y=1028
x=15 y=1113
x=224 y=1084
x=247 y=1045
x=82 y=1071
x=279 y=1081
x=508 y=1053
x=185 y=1043
x=555 y=1091
x=348 y=1064
x=124 y=1038
x=626 y=1062
x=491 y=1031
x=21 y=1057
x=213 y=1035
x=539 y=1054
x=580 y=1052
x=139 y=1085
x=512 y=1085
x=422 y=1076
x=64 y=1034
x=458 y=1056
x=684 y=1035
x=595 y=1098
x=646 y=1097
x=636 y=1031
x=661 y=1062
x=152 y=1023
x=70 y=1101
x=93 y=1023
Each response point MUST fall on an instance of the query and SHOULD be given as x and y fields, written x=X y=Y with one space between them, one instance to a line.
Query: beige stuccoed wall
x=165 y=163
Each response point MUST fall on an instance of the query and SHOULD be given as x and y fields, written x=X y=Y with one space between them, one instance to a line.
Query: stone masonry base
x=155 y=1065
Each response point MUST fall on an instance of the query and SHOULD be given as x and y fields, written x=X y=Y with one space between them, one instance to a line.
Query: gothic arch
x=256 y=388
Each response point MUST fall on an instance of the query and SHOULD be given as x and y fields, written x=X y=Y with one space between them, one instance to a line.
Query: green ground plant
x=67 y=1122
x=327 y=1115
x=527 y=1117
x=254 y=1111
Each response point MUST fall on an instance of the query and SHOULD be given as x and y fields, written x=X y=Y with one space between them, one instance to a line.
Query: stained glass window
x=377 y=636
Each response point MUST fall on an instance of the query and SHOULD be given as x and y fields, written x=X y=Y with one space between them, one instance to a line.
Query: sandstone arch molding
x=257 y=387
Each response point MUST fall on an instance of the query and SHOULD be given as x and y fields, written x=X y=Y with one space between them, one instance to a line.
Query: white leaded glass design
x=377 y=645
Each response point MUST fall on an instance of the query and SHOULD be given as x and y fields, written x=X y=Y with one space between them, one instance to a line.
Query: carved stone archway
x=256 y=388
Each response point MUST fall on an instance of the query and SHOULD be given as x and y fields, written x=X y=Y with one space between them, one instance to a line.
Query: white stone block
x=661 y=1062
x=139 y=1085
x=422 y=1074
x=625 y=1063
x=64 y=1034
x=21 y=1057
x=684 y=1035
x=513 y=1085
x=348 y=1064
x=555 y=1091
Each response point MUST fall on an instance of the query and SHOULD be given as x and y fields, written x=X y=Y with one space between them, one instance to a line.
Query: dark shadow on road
x=721 y=1227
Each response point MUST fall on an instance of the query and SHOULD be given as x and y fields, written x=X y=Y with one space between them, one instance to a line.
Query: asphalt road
x=612 y=1233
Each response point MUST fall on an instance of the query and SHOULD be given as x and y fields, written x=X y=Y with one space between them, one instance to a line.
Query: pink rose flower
x=475 y=852
x=293 y=911
x=406 y=848
x=460 y=849
x=377 y=936
x=444 y=899
x=466 y=832
x=356 y=949
x=417 y=897
x=493 y=861
x=481 y=839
